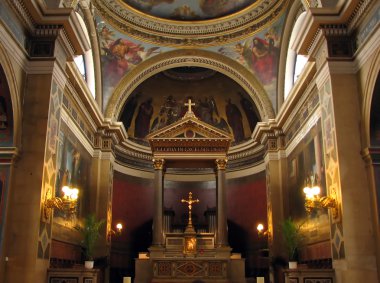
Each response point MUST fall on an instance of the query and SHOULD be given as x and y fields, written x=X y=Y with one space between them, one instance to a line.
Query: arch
x=190 y=57
x=293 y=14
x=369 y=89
x=6 y=64
x=91 y=29
x=292 y=58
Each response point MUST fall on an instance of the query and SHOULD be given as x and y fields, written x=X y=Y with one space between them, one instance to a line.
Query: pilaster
x=275 y=162
x=101 y=190
x=29 y=254
x=352 y=240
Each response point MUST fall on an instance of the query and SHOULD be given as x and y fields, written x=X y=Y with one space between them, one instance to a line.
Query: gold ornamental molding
x=158 y=163
x=190 y=57
x=182 y=34
x=189 y=139
x=221 y=164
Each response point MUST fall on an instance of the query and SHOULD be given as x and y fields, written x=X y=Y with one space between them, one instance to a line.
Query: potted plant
x=90 y=233
x=292 y=238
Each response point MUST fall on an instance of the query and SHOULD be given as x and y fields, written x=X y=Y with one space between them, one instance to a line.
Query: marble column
x=221 y=232
x=158 y=239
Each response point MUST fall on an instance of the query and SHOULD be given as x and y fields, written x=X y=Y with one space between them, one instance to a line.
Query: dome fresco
x=189 y=10
x=159 y=101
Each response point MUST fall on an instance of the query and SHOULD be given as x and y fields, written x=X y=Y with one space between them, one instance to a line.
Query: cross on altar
x=190 y=202
x=189 y=104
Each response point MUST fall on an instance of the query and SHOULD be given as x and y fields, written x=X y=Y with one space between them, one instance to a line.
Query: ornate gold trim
x=158 y=163
x=190 y=57
x=191 y=33
x=221 y=164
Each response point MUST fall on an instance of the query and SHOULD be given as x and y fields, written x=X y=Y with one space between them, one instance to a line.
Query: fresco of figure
x=249 y=111
x=129 y=111
x=263 y=61
x=172 y=110
x=234 y=119
x=142 y=121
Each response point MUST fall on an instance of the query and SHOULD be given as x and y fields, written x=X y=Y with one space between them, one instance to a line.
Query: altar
x=192 y=255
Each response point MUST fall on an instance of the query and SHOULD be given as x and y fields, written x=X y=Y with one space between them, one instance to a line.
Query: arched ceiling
x=156 y=29
x=240 y=39
x=189 y=10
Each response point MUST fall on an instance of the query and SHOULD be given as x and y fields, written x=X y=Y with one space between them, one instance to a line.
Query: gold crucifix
x=189 y=104
x=190 y=202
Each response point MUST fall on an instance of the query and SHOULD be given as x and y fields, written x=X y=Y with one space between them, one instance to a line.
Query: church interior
x=190 y=141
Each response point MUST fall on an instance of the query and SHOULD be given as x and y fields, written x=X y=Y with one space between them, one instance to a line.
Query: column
x=158 y=238
x=221 y=204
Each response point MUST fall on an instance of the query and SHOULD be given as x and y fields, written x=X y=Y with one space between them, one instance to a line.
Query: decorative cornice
x=22 y=11
x=190 y=33
x=348 y=16
x=359 y=13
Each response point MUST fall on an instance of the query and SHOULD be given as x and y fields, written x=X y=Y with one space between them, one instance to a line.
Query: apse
x=160 y=101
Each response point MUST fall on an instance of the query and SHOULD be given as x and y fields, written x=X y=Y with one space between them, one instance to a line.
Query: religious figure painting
x=306 y=168
x=6 y=125
x=73 y=163
x=189 y=10
x=4 y=176
x=259 y=54
x=119 y=55
x=144 y=113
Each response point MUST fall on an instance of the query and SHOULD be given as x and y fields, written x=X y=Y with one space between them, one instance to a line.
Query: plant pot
x=89 y=264
x=292 y=265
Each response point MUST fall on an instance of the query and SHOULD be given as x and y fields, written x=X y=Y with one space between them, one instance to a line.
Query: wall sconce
x=119 y=228
x=67 y=204
x=260 y=230
x=314 y=201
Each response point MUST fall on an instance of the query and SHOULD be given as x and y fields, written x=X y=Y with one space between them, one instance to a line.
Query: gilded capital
x=221 y=163
x=158 y=164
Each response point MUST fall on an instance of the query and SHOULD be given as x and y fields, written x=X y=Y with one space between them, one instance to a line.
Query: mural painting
x=189 y=10
x=260 y=55
x=145 y=112
x=4 y=176
x=119 y=55
x=73 y=166
x=306 y=167
x=6 y=113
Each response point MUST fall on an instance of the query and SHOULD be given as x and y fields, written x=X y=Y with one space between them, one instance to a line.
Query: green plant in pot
x=292 y=239
x=90 y=232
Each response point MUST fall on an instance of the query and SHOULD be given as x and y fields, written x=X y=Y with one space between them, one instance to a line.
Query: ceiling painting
x=189 y=10
x=259 y=54
x=119 y=54
x=160 y=101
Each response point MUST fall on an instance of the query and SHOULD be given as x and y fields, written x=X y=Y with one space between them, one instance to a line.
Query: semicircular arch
x=190 y=57
x=5 y=63
x=369 y=89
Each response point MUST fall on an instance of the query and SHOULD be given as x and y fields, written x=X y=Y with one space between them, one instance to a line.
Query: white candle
x=126 y=279
x=260 y=280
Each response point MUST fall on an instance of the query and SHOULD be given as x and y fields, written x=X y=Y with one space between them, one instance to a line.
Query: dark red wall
x=133 y=206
